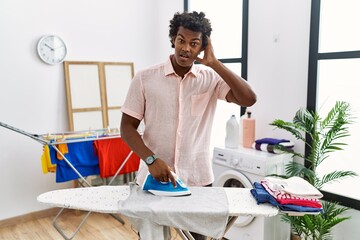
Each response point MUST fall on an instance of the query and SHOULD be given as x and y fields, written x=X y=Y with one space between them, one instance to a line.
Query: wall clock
x=51 y=49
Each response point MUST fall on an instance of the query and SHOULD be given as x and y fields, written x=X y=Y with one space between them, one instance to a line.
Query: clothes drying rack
x=53 y=139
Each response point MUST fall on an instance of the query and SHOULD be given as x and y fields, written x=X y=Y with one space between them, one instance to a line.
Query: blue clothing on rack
x=81 y=155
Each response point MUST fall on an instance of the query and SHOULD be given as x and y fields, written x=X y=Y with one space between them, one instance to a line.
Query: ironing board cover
x=104 y=199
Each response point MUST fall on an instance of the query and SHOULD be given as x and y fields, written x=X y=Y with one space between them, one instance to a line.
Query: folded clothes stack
x=291 y=195
x=270 y=145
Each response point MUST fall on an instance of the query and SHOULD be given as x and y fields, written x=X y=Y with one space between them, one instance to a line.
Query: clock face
x=51 y=49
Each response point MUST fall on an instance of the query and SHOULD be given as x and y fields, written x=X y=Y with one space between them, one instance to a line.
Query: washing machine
x=241 y=168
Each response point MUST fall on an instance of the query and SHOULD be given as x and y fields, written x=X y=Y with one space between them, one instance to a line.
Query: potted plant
x=324 y=135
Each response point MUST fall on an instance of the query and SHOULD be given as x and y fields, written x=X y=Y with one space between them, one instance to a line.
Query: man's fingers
x=172 y=179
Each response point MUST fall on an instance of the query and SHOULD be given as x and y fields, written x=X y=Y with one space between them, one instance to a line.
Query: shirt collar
x=169 y=69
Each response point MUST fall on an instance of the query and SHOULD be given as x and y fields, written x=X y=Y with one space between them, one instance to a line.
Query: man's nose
x=186 y=47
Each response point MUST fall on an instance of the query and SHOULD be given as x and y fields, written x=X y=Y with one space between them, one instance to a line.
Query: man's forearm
x=136 y=143
x=240 y=90
x=132 y=137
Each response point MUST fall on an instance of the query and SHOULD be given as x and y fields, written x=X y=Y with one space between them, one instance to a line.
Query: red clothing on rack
x=112 y=153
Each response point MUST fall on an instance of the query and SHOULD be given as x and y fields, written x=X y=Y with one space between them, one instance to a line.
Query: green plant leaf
x=336 y=176
x=294 y=129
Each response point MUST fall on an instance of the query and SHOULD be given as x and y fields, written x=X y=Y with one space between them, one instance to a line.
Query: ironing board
x=104 y=199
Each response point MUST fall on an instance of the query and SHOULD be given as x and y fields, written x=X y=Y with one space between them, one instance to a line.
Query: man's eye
x=181 y=40
x=194 y=44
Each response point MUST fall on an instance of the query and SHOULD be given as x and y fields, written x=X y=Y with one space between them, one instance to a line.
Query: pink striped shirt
x=178 y=115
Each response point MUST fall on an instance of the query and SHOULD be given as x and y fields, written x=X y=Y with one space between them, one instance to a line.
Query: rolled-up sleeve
x=134 y=104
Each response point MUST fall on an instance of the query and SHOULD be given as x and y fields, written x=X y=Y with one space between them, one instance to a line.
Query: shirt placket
x=180 y=120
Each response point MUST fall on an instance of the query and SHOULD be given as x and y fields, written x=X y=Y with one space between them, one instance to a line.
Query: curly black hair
x=193 y=21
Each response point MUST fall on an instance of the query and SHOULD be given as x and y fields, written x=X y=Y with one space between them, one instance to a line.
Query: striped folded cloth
x=262 y=196
x=294 y=190
x=269 y=145
x=271 y=141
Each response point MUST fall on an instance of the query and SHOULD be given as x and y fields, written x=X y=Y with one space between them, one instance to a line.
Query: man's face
x=188 y=45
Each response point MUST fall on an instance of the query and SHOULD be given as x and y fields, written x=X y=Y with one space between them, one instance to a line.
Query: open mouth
x=184 y=55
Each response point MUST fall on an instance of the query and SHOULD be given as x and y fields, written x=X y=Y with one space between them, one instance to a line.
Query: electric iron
x=165 y=188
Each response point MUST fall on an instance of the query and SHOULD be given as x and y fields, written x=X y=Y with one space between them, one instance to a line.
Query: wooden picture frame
x=95 y=92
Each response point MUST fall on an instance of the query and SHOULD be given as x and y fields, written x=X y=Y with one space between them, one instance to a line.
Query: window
x=230 y=25
x=334 y=74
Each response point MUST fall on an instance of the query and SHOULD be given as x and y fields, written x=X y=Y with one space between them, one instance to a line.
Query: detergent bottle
x=248 y=125
x=232 y=133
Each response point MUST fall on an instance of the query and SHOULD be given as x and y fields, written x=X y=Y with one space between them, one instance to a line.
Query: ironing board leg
x=117 y=217
x=230 y=222
x=186 y=235
x=62 y=232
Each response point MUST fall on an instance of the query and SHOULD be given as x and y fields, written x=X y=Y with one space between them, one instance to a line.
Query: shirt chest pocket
x=199 y=103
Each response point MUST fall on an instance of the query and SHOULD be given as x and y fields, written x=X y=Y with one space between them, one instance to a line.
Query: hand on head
x=209 y=55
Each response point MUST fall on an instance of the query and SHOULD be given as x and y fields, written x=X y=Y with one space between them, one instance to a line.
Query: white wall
x=32 y=94
x=277 y=69
x=278 y=60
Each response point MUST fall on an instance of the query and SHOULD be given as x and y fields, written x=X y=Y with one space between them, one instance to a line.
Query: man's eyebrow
x=194 y=39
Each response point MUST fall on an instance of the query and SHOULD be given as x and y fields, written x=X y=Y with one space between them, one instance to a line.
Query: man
x=177 y=102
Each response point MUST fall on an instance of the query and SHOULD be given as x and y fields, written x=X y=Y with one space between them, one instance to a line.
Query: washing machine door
x=232 y=178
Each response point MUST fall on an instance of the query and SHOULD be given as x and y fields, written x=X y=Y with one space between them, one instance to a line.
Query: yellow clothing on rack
x=63 y=148
x=46 y=164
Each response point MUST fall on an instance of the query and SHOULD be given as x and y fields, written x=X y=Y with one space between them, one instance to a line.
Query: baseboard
x=30 y=217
